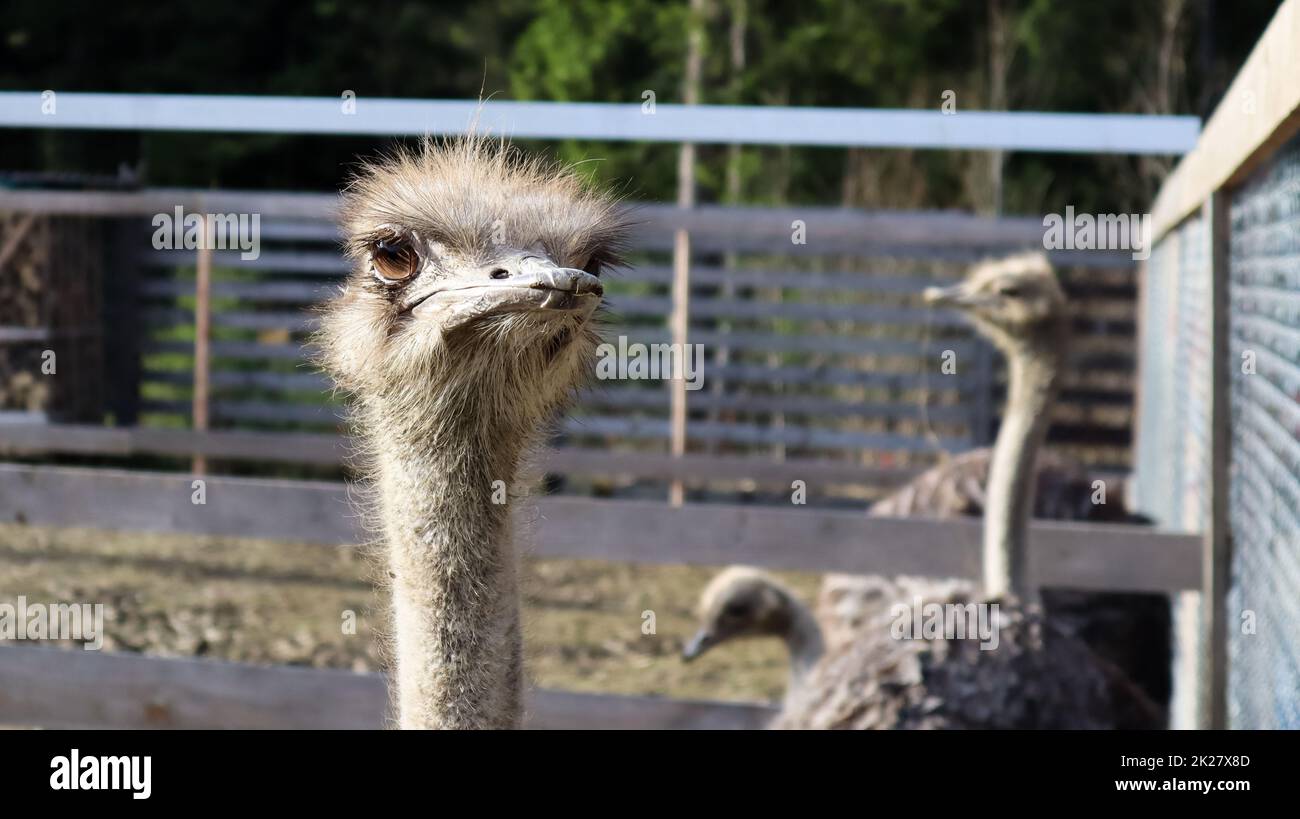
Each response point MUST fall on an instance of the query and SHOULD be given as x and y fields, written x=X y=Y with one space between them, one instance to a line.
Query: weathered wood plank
x=28 y=439
x=823 y=343
x=1074 y=555
x=601 y=426
x=37 y=439
x=53 y=688
x=825 y=225
x=21 y=335
x=801 y=435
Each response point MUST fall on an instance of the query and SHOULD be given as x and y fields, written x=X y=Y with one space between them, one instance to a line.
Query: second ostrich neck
x=454 y=571
x=1033 y=370
x=803 y=639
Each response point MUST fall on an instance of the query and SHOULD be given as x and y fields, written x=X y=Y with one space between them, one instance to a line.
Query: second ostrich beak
x=531 y=285
x=700 y=643
x=958 y=295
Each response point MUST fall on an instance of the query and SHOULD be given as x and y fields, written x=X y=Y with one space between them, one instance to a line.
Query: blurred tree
x=1107 y=55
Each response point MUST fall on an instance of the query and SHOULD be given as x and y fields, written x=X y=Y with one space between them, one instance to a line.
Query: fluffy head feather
x=463 y=213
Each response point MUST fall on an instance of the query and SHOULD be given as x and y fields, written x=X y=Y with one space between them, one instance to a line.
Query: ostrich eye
x=394 y=259
x=1011 y=291
x=735 y=610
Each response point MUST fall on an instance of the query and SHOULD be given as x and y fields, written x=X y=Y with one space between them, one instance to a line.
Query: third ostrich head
x=1019 y=305
x=1016 y=302
x=745 y=602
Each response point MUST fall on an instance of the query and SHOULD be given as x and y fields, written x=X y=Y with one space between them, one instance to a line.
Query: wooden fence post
x=682 y=246
x=202 y=336
x=1216 y=558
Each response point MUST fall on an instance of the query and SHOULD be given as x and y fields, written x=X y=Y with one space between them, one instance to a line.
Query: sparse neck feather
x=1033 y=368
x=454 y=569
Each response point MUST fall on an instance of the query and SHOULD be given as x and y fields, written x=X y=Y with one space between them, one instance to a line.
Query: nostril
x=499 y=273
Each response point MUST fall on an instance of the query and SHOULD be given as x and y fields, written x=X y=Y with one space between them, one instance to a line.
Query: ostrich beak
x=534 y=286
x=698 y=644
x=958 y=295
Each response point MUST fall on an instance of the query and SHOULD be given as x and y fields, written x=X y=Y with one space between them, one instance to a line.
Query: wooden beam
x=29 y=439
x=1216 y=555
x=747 y=124
x=54 y=688
x=1259 y=112
x=679 y=319
x=202 y=338
x=830 y=230
x=1064 y=554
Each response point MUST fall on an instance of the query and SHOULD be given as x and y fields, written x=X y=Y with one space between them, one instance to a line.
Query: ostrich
x=1040 y=676
x=1018 y=303
x=1019 y=306
x=745 y=602
x=742 y=601
x=464 y=327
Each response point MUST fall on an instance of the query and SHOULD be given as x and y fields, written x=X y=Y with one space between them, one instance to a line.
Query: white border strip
x=752 y=125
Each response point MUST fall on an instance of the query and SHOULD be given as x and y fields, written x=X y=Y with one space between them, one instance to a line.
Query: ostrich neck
x=454 y=586
x=1032 y=385
x=804 y=642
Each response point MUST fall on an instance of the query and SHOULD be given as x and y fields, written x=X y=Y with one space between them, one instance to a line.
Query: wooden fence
x=828 y=377
x=817 y=350
x=51 y=688
x=72 y=688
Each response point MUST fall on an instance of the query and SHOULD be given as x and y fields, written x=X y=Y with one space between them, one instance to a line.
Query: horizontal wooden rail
x=821 y=343
x=32 y=439
x=650 y=398
x=1071 y=555
x=53 y=688
x=627 y=121
x=606 y=426
x=309 y=216
x=19 y=335
x=333 y=266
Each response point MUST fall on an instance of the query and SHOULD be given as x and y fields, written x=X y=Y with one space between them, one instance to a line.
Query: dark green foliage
x=1101 y=56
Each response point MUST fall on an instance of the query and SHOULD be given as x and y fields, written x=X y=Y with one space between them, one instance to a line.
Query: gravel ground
x=279 y=603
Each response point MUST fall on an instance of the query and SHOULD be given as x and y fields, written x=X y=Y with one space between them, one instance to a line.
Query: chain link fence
x=1264 y=487
x=1173 y=457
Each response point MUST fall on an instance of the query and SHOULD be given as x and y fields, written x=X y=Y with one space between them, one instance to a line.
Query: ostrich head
x=474 y=285
x=741 y=602
x=1016 y=302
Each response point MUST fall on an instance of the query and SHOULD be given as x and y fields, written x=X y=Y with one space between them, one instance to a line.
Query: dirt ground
x=278 y=603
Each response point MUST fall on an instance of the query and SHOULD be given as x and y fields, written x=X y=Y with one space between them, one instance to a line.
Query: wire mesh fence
x=1171 y=483
x=1264 y=318
x=1174 y=469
